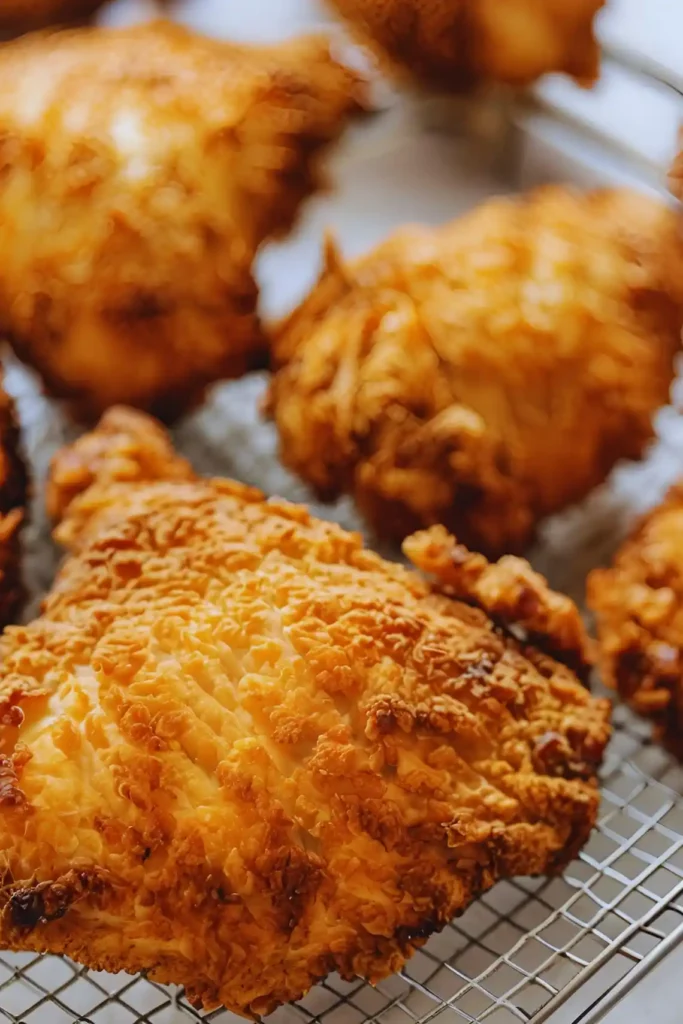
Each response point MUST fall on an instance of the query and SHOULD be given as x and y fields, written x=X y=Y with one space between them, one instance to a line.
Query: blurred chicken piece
x=240 y=751
x=487 y=373
x=454 y=45
x=638 y=605
x=18 y=16
x=140 y=171
x=676 y=172
x=13 y=501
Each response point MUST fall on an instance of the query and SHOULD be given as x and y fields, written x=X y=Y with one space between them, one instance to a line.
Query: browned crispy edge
x=645 y=670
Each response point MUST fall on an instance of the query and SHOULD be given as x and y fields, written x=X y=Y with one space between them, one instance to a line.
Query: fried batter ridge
x=488 y=373
x=454 y=45
x=240 y=751
x=638 y=603
x=141 y=170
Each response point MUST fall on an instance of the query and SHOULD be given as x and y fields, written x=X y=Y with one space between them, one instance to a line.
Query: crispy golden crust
x=445 y=377
x=509 y=591
x=125 y=448
x=140 y=170
x=638 y=604
x=239 y=751
x=13 y=500
x=456 y=44
x=25 y=15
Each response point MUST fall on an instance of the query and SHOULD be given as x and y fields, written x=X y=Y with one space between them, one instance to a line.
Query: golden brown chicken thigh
x=487 y=373
x=241 y=751
x=140 y=170
x=457 y=44
x=24 y=15
x=638 y=604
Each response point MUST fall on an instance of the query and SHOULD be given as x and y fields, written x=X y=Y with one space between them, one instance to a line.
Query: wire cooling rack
x=532 y=950
x=517 y=954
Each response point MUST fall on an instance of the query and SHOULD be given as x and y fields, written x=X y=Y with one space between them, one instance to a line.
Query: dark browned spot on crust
x=30 y=906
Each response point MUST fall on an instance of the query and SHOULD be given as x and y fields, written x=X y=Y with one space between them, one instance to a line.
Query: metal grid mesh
x=515 y=955
x=518 y=954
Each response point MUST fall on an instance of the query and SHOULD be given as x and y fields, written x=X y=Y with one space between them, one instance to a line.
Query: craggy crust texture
x=13 y=500
x=140 y=170
x=487 y=373
x=125 y=448
x=456 y=44
x=240 y=751
x=638 y=604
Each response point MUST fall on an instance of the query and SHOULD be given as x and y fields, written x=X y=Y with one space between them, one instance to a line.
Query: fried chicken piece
x=18 y=16
x=487 y=373
x=638 y=604
x=13 y=501
x=141 y=169
x=241 y=751
x=454 y=45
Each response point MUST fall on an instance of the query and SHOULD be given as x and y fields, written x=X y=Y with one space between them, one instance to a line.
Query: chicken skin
x=458 y=44
x=487 y=373
x=241 y=751
x=638 y=604
x=24 y=15
x=141 y=169
x=13 y=500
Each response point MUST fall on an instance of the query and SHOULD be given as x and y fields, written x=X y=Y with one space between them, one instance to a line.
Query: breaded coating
x=140 y=171
x=487 y=373
x=638 y=604
x=125 y=448
x=240 y=751
x=18 y=16
x=454 y=45
x=13 y=501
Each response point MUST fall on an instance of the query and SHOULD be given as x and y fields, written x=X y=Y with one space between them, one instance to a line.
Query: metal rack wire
x=518 y=954
x=524 y=951
x=589 y=133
